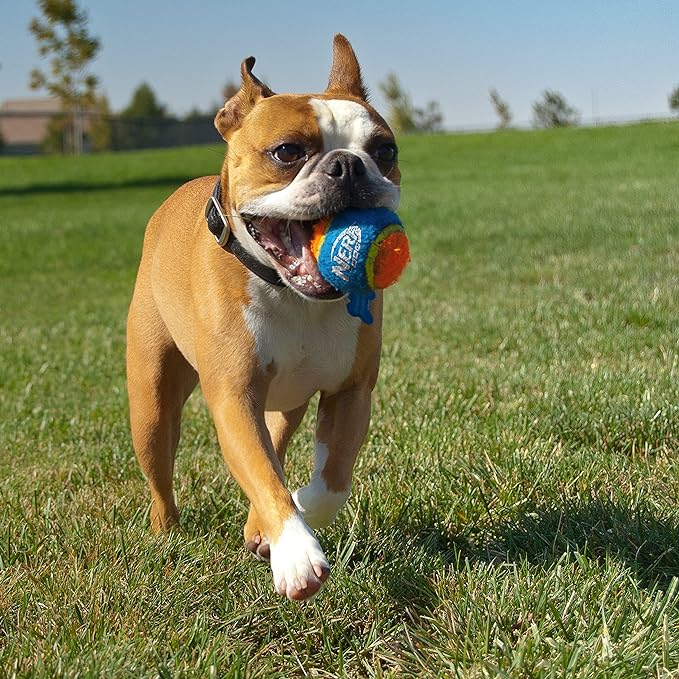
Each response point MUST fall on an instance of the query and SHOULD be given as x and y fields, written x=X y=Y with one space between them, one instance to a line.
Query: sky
x=611 y=59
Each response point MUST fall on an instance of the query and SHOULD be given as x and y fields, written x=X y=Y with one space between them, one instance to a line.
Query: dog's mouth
x=288 y=243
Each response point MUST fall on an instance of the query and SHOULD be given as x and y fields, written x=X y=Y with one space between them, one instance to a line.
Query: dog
x=227 y=294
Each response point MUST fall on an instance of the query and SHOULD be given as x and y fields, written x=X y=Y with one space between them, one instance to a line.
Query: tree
x=502 y=110
x=195 y=114
x=61 y=33
x=141 y=120
x=403 y=116
x=144 y=104
x=674 y=100
x=99 y=130
x=96 y=133
x=429 y=118
x=554 y=111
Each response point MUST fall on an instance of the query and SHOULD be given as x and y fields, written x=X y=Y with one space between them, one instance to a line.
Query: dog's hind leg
x=281 y=426
x=342 y=425
x=159 y=380
x=343 y=421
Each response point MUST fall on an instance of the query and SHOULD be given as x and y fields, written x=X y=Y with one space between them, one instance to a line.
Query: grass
x=515 y=507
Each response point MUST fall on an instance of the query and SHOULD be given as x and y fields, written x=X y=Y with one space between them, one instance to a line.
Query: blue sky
x=622 y=57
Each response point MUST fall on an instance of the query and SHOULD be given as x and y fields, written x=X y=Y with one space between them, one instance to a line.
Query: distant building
x=25 y=127
x=23 y=122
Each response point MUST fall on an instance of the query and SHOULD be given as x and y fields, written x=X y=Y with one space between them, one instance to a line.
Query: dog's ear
x=345 y=74
x=235 y=109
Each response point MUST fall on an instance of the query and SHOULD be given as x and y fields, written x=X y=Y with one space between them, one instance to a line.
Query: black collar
x=220 y=228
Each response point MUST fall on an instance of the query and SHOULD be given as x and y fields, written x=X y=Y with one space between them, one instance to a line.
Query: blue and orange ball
x=360 y=251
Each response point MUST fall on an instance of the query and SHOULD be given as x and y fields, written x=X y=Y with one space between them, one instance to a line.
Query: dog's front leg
x=297 y=560
x=343 y=420
x=281 y=427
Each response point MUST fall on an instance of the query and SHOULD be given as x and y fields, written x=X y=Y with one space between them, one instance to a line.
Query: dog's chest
x=310 y=346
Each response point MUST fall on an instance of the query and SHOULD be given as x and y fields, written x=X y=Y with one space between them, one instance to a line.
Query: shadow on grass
x=408 y=549
x=415 y=548
x=599 y=528
x=80 y=186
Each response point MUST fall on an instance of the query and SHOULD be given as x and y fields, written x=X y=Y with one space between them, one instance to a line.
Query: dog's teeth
x=298 y=280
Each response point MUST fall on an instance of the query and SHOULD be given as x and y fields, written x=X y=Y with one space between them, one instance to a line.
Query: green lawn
x=515 y=509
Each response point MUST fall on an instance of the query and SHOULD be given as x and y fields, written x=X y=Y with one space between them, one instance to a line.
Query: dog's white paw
x=315 y=501
x=297 y=561
x=318 y=505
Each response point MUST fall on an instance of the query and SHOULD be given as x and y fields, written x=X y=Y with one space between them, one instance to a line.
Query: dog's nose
x=344 y=167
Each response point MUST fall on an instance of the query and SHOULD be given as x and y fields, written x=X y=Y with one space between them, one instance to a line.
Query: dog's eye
x=288 y=153
x=386 y=153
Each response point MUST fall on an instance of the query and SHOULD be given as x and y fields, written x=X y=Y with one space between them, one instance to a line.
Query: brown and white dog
x=263 y=343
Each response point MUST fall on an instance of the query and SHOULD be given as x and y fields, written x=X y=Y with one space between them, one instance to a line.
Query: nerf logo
x=345 y=252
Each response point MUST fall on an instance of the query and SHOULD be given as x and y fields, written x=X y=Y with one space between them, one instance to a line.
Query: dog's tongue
x=298 y=238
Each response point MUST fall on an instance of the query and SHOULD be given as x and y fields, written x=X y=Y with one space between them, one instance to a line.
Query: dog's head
x=294 y=159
